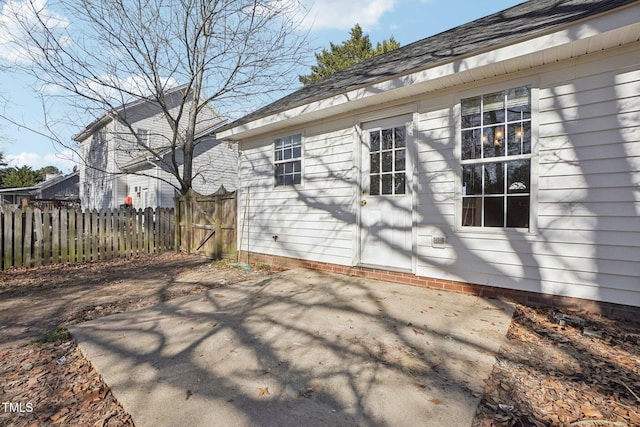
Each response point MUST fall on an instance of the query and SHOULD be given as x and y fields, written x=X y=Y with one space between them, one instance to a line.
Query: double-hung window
x=496 y=159
x=287 y=155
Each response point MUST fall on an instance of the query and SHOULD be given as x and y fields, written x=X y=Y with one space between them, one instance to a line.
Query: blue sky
x=327 y=21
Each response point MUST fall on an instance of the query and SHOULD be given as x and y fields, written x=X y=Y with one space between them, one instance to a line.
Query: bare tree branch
x=97 y=56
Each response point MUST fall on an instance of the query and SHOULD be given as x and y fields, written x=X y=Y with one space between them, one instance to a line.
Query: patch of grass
x=221 y=263
x=58 y=335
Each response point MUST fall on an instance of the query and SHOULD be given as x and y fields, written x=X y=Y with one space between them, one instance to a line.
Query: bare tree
x=232 y=55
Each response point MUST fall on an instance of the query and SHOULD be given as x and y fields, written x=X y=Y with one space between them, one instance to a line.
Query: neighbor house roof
x=41 y=186
x=524 y=21
x=109 y=115
x=147 y=161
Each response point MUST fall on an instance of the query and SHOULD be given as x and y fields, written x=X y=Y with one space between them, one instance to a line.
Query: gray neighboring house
x=501 y=156
x=215 y=164
x=116 y=166
x=54 y=191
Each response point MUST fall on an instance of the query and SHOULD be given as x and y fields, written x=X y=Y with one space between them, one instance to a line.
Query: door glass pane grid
x=387 y=161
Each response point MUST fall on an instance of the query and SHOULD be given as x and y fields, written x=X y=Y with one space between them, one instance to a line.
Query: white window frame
x=279 y=152
x=142 y=136
x=532 y=157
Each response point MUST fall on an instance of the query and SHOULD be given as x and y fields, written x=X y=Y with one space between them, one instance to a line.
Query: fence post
x=188 y=229
x=176 y=221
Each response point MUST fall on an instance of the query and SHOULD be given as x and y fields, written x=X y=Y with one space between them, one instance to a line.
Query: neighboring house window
x=287 y=154
x=143 y=136
x=99 y=137
x=387 y=157
x=496 y=159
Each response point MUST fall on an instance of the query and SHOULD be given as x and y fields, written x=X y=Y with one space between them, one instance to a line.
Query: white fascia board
x=622 y=21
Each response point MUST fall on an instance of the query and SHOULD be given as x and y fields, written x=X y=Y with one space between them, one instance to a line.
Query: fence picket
x=7 y=236
x=120 y=230
x=28 y=237
x=64 y=235
x=108 y=230
x=72 y=235
x=38 y=228
x=140 y=231
x=46 y=238
x=102 y=234
x=55 y=235
x=17 y=238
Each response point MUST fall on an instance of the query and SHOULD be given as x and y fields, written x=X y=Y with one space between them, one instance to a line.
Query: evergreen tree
x=23 y=176
x=4 y=170
x=350 y=52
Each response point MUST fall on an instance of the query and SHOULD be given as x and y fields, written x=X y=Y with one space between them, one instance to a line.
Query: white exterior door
x=386 y=217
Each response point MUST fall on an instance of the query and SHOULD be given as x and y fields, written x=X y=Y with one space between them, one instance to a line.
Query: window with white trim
x=142 y=136
x=496 y=159
x=287 y=156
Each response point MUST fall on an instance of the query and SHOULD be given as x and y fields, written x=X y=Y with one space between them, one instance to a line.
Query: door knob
x=363 y=202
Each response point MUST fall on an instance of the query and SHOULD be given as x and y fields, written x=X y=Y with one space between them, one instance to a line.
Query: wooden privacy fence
x=206 y=225
x=33 y=237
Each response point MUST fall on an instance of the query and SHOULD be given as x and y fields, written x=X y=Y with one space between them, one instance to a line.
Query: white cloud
x=20 y=23
x=65 y=160
x=338 y=14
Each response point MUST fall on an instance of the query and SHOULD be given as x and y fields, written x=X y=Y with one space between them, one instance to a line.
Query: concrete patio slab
x=301 y=348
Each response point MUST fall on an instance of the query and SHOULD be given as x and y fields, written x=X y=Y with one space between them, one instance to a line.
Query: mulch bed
x=53 y=384
x=564 y=369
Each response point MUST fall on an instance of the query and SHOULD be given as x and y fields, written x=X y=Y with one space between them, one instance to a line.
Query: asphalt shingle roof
x=521 y=21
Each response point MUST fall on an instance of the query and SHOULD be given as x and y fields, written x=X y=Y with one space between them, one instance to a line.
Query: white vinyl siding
x=587 y=241
x=215 y=166
x=313 y=221
x=584 y=238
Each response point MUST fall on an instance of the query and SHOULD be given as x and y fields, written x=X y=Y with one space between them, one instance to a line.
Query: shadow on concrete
x=301 y=348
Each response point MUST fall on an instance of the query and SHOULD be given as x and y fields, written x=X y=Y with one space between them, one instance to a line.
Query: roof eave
x=559 y=40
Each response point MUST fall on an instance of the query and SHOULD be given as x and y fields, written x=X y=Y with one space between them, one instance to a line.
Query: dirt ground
x=574 y=369
x=42 y=372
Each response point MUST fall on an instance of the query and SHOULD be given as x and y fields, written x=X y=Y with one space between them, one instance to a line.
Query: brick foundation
x=511 y=295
